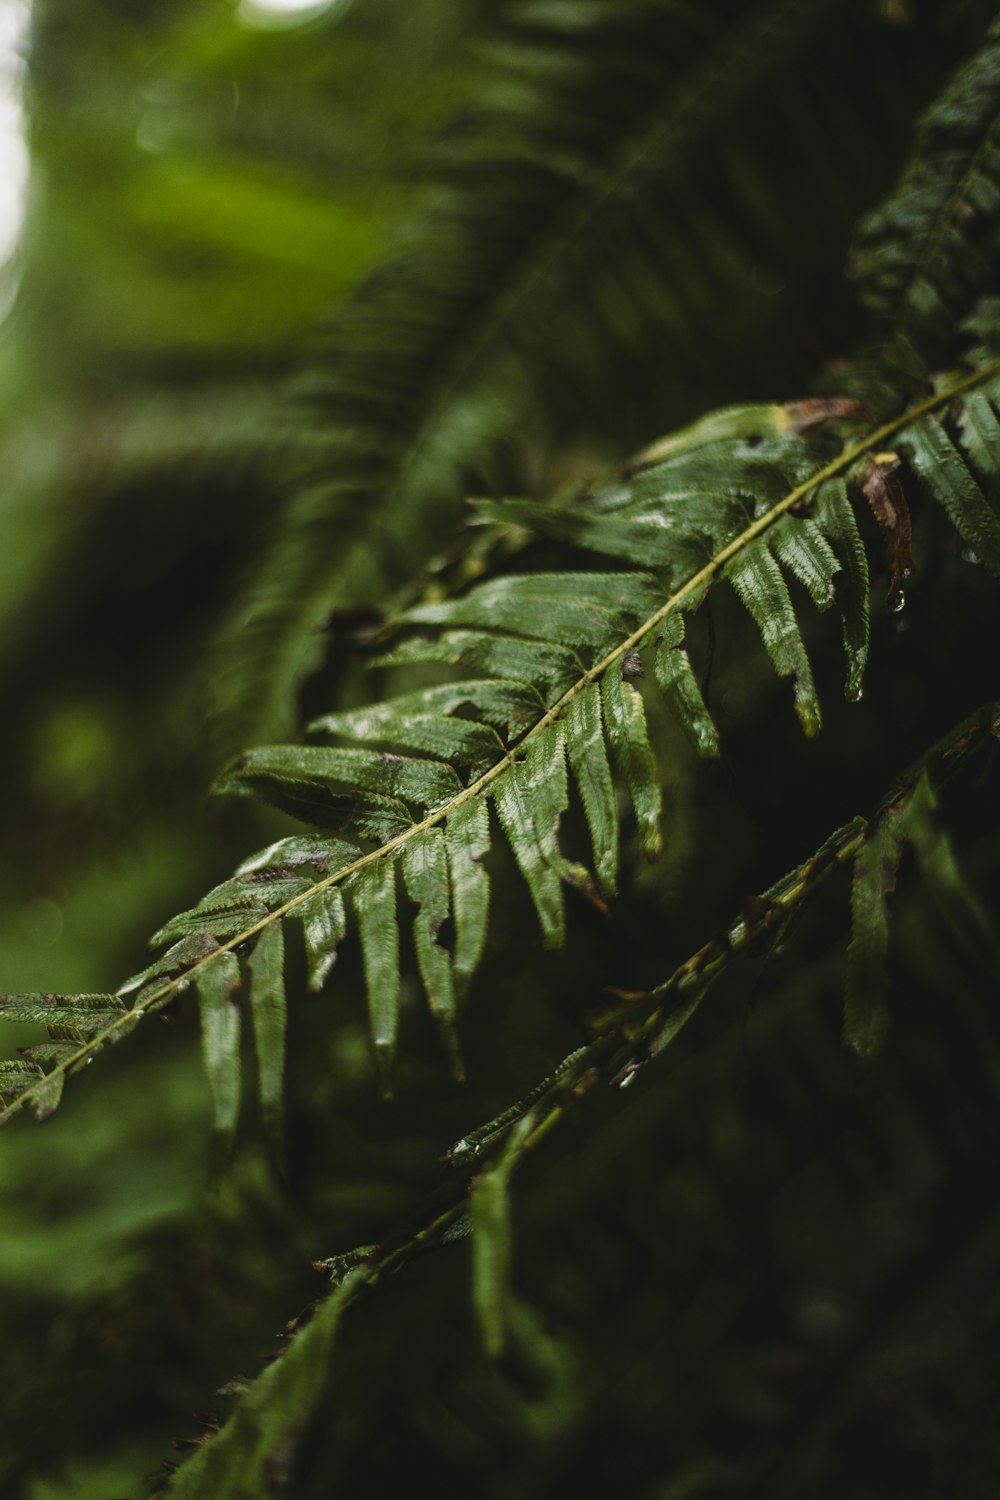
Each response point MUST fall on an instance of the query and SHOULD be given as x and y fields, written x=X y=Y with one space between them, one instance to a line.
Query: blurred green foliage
x=757 y=1273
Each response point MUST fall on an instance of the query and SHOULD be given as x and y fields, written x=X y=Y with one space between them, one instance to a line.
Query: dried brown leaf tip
x=883 y=489
x=816 y=409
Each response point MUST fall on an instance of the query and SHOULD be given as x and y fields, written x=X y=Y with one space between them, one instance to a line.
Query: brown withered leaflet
x=883 y=489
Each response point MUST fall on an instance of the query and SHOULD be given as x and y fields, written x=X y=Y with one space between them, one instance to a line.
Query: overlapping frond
x=908 y=820
x=401 y=788
x=548 y=244
x=927 y=252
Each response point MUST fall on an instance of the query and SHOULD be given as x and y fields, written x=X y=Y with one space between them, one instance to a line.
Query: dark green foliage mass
x=608 y=1010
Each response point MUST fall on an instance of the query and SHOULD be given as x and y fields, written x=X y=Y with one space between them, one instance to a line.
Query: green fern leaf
x=467 y=836
x=553 y=668
x=301 y=849
x=266 y=885
x=930 y=249
x=78 y=1016
x=216 y=924
x=758 y=581
x=185 y=954
x=19 y=1074
x=980 y=430
x=52 y=1051
x=425 y=875
x=232 y=906
x=373 y=892
x=572 y=609
x=524 y=805
x=218 y=984
x=866 y=1016
x=753 y=478
x=663 y=533
x=676 y=677
x=836 y=519
x=419 y=721
x=625 y=718
x=424 y=782
x=749 y=422
x=365 y=814
x=324 y=923
x=808 y=556
x=589 y=759
x=958 y=905
x=491 y=1241
x=690 y=503
x=15 y=1074
x=942 y=469
x=268 y=1011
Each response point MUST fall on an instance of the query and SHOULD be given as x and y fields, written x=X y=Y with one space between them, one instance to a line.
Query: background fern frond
x=922 y=258
x=259 y=1440
x=865 y=1015
x=563 y=256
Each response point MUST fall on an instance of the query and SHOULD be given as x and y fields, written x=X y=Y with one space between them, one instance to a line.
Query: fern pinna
x=555 y=656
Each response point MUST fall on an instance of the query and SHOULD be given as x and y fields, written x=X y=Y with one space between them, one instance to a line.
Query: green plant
x=514 y=704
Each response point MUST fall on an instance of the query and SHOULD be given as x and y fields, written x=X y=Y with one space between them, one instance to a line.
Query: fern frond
x=758 y=580
x=588 y=757
x=553 y=197
x=838 y=523
x=865 y=1015
x=489 y=1212
x=625 y=721
x=467 y=838
x=515 y=742
x=221 y=1025
x=908 y=817
x=675 y=676
x=941 y=468
x=958 y=905
x=374 y=894
x=271 y=1413
x=924 y=256
x=266 y=982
